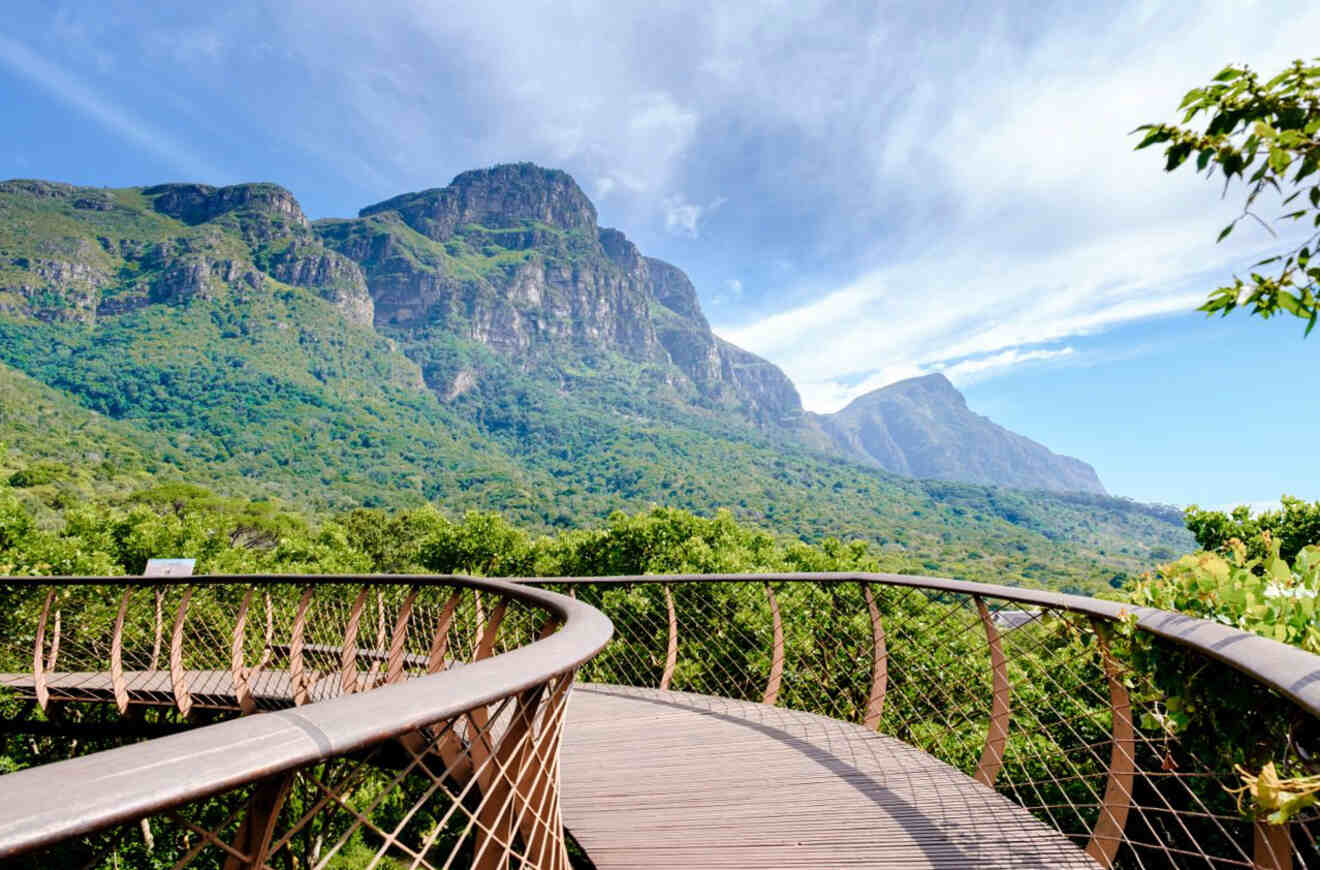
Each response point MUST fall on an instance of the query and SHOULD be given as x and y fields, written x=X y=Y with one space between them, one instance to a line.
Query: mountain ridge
x=510 y=257
x=532 y=364
x=922 y=427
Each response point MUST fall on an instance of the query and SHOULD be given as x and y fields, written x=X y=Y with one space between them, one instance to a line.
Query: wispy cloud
x=684 y=218
x=1039 y=222
x=86 y=99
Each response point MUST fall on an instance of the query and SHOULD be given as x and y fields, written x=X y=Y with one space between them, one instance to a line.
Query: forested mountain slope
x=922 y=427
x=483 y=345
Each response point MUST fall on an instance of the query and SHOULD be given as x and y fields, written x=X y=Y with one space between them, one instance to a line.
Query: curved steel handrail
x=126 y=783
x=100 y=790
x=1289 y=670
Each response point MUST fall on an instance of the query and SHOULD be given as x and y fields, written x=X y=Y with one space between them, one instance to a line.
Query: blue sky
x=860 y=192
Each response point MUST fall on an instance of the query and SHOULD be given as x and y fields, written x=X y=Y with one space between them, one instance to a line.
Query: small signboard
x=169 y=568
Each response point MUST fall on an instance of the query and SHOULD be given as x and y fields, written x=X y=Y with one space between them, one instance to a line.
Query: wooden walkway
x=655 y=779
x=669 y=779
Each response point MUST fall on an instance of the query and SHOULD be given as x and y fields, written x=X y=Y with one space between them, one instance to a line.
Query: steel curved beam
x=112 y=787
x=1288 y=670
x=1001 y=702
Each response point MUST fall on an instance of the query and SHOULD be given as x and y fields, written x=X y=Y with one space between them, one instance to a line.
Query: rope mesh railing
x=1070 y=708
x=88 y=671
x=1046 y=703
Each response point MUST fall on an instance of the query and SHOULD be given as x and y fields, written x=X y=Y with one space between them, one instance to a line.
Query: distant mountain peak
x=922 y=427
x=198 y=203
x=501 y=196
x=932 y=386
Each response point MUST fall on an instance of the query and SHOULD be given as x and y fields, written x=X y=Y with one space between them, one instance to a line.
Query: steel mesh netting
x=479 y=790
x=1088 y=740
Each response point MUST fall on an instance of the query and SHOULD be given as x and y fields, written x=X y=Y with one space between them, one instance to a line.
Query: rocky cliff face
x=512 y=195
x=512 y=257
x=92 y=253
x=922 y=427
x=509 y=258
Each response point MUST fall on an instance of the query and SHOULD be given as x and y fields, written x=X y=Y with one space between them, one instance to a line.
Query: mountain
x=922 y=427
x=512 y=258
x=482 y=345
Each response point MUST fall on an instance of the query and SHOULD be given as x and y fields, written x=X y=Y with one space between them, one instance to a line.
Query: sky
x=861 y=192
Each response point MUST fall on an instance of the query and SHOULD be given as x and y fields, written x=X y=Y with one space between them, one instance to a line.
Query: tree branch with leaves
x=1271 y=130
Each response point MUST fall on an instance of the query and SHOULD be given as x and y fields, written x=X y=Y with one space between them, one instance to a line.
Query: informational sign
x=169 y=568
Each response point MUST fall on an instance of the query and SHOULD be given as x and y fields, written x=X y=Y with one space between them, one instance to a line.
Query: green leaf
x=1223 y=234
x=1227 y=74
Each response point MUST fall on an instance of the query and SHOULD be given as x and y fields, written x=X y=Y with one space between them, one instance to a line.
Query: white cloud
x=1256 y=507
x=970 y=371
x=684 y=218
x=1041 y=222
x=86 y=99
x=830 y=395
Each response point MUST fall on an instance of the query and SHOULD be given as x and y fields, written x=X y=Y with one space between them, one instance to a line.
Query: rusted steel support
x=39 y=652
x=348 y=653
x=776 y=652
x=237 y=669
x=399 y=638
x=486 y=647
x=1271 y=847
x=297 y=673
x=258 y=827
x=117 y=655
x=875 y=703
x=996 y=736
x=435 y=661
x=160 y=628
x=499 y=807
x=54 y=645
x=374 y=668
x=1107 y=835
x=481 y=742
x=538 y=791
x=481 y=624
x=178 y=676
x=671 y=654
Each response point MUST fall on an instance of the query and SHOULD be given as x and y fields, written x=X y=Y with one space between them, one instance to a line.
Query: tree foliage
x=1267 y=135
x=1295 y=525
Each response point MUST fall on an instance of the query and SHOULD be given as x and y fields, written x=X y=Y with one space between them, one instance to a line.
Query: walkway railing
x=1120 y=727
x=412 y=719
x=419 y=718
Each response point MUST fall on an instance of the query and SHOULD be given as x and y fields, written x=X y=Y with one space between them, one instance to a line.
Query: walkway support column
x=996 y=736
x=776 y=652
x=1107 y=835
x=671 y=654
x=875 y=703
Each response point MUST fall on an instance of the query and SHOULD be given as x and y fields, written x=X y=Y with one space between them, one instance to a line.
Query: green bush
x=1265 y=595
x=1294 y=526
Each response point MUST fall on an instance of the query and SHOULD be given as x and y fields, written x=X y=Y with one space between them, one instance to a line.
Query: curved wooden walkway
x=670 y=779
x=655 y=779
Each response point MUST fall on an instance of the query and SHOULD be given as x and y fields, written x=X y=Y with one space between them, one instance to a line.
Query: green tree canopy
x=1270 y=129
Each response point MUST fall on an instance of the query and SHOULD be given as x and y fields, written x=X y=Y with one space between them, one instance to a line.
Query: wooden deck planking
x=669 y=779
x=655 y=778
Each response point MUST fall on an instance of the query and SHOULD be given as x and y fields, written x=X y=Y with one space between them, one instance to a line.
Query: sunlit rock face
x=922 y=427
x=512 y=257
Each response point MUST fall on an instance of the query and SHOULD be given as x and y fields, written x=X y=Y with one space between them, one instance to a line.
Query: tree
x=1294 y=526
x=1271 y=129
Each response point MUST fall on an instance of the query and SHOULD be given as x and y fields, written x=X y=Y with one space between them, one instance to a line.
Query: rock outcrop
x=503 y=266
x=104 y=253
x=922 y=427
x=512 y=257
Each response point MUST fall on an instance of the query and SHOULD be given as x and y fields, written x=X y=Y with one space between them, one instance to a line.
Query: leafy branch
x=1269 y=129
